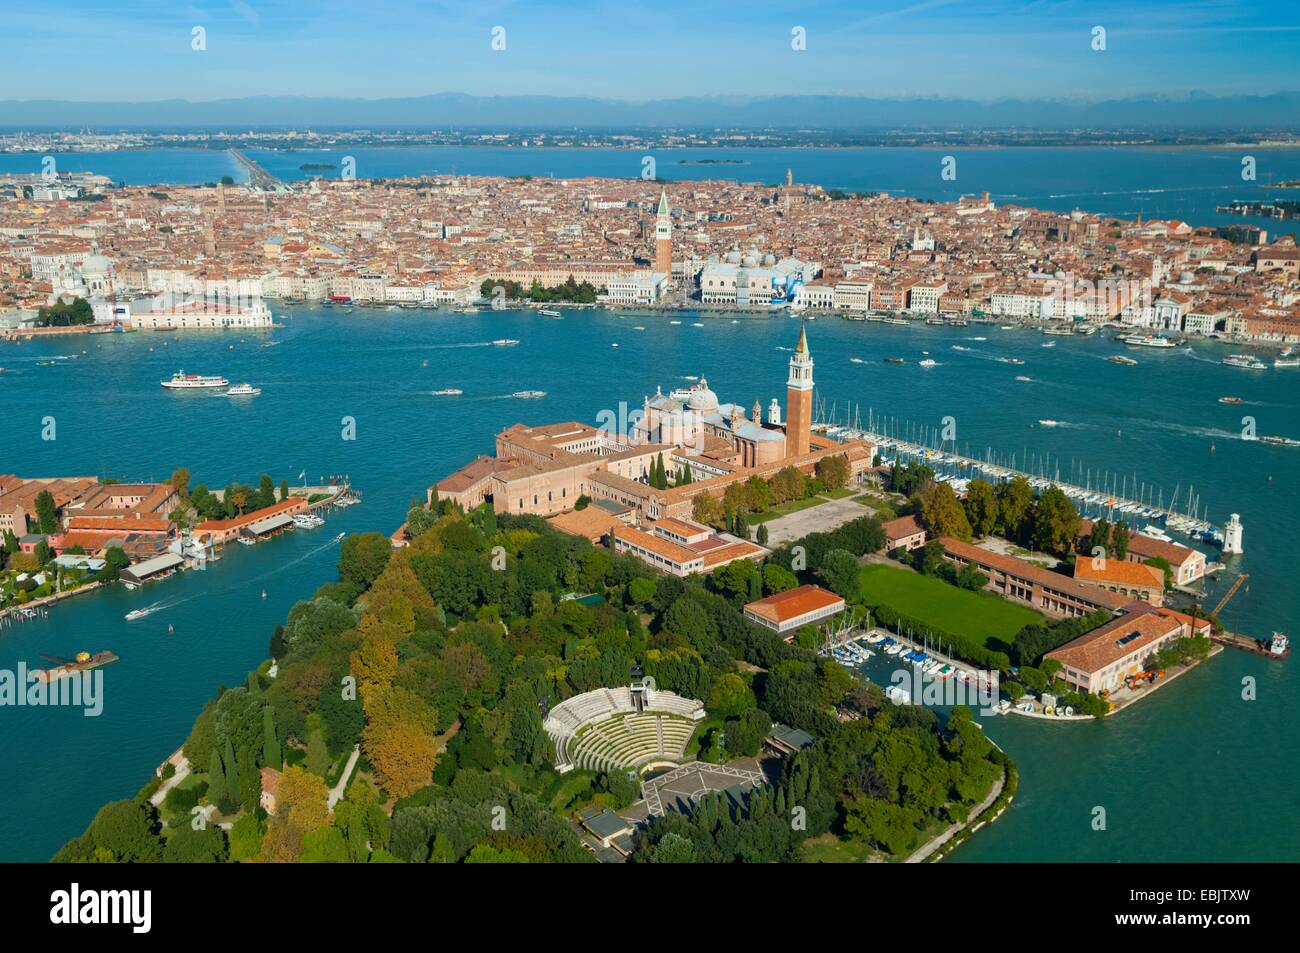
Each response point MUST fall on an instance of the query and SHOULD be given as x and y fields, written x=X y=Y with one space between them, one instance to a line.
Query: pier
x=258 y=177
x=1096 y=494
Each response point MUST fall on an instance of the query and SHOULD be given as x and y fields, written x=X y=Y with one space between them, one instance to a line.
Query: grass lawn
x=838 y=494
x=959 y=611
x=829 y=849
x=784 y=509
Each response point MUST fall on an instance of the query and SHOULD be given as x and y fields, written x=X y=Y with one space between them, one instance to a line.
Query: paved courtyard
x=816 y=519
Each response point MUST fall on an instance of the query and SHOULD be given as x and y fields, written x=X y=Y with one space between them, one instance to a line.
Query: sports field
x=977 y=614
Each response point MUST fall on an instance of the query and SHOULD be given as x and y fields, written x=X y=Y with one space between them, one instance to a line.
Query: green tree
x=981 y=507
x=1056 y=522
x=942 y=512
x=271 y=755
x=47 y=519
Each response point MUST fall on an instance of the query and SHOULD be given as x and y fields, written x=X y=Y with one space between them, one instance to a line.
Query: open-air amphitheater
x=603 y=730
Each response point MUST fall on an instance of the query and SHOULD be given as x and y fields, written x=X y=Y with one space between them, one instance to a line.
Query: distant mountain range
x=1194 y=111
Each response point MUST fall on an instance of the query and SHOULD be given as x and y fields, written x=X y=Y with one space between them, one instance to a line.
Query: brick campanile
x=664 y=238
x=798 y=399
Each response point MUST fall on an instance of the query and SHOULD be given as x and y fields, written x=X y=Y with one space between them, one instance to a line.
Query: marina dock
x=1097 y=496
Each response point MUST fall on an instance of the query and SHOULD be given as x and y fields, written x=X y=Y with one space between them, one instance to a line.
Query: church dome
x=96 y=265
x=703 y=400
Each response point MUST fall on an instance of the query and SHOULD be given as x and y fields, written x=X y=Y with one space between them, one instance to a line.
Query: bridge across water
x=257 y=176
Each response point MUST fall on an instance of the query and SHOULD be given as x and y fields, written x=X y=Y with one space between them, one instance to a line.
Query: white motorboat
x=141 y=613
x=504 y=342
x=447 y=392
x=529 y=394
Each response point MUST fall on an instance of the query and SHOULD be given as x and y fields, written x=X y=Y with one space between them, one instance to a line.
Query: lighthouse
x=1232 y=536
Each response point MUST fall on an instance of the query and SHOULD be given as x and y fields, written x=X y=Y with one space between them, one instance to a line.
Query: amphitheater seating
x=601 y=730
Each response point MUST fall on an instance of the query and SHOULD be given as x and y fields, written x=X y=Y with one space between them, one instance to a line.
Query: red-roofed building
x=787 y=612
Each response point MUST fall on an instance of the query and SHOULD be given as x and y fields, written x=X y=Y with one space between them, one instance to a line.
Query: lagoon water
x=1194 y=773
x=1165 y=183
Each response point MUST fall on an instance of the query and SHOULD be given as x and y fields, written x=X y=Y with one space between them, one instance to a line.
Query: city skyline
x=640 y=52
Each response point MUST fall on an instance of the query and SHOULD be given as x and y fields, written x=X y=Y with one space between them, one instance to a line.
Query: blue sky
x=634 y=49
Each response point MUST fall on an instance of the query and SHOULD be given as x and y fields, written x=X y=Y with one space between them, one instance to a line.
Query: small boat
x=639 y=327
x=447 y=392
x=1049 y=423
x=141 y=613
x=958 y=347
x=895 y=360
x=1011 y=360
x=246 y=541
x=615 y=344
x=928 y=362
x=243 y=390
x=1230 y=400
x=1121 y=359
x=529 y=394
x=1048 y=344
x=1280 y=441
x=504 y=342
x=697 y=324
x=674 y=322
x=1022 y=377
x=339 y=537
x=856 y=360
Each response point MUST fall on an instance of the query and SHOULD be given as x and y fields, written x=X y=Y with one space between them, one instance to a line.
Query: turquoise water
x=1193 y=773
x=1155 y=183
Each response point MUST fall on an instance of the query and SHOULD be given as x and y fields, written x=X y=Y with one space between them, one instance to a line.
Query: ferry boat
x=447 y=392
x=1244 y=361
x=243 y=390
x=141 y=613
x=529 y=394
x=182 y=381
x=1121 y=359
x=84 y=662
x=1286 y=361
x=1230 y=400
x=1058 y=331
x=1149 y=340
x=551 y=313
x=504 y=342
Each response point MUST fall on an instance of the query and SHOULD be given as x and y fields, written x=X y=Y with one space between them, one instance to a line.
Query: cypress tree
x=271 y=756
x=232 y=779
x=216 y=780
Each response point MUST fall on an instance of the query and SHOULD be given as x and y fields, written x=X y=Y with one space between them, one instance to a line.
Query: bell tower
x=664 y=237
x=798 y=399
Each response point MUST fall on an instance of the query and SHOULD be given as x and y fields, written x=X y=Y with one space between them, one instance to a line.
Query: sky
x=640 y=50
